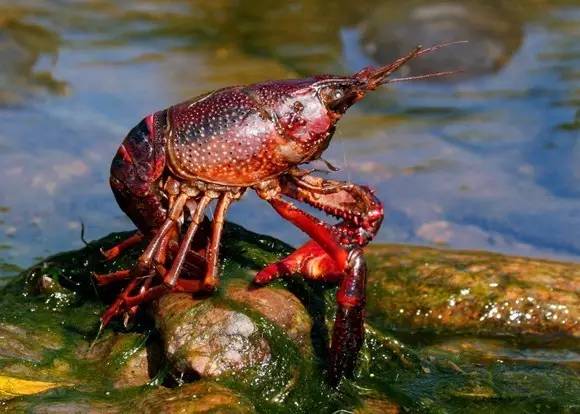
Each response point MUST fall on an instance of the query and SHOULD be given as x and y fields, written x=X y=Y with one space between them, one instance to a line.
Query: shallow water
x=486 y=160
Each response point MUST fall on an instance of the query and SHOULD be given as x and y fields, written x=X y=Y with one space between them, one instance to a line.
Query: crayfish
x=175 y=162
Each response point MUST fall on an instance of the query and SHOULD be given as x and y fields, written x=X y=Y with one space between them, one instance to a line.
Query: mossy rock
x=467 y=360
x=415 y=289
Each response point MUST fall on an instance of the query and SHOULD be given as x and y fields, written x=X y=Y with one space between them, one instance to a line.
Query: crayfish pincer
x=214 y=147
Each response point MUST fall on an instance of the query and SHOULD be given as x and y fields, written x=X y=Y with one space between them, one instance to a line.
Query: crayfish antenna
x=424 y=51
x=375 y=77
x=425 y=76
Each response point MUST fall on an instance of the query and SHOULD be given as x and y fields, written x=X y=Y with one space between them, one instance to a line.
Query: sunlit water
x=488 y=160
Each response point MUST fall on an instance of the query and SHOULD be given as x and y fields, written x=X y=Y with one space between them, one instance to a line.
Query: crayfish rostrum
x=216 y=146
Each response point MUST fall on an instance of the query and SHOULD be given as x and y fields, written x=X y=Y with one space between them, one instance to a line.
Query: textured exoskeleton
x=216 y=146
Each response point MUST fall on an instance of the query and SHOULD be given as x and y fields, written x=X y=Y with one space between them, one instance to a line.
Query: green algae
x=449 y=292
x=448 y=366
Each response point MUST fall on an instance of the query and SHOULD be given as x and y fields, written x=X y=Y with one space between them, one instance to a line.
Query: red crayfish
x=216 y=146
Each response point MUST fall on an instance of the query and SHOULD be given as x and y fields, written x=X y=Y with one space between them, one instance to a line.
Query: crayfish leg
x=210 y=280
x=171 y=277
x=116 y=250
x=105 y=279
x=348 y=331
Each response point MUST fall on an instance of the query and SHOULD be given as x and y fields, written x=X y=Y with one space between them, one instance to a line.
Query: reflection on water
x=488 y=160
x=493 y=29
x=25 y=49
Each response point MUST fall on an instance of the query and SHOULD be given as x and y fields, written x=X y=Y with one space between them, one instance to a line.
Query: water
x=487 y=160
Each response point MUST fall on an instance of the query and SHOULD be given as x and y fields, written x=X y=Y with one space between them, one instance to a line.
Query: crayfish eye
x=331 y=94
x=336 y=99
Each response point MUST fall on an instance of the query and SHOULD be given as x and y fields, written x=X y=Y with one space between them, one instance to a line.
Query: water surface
x=487 y=160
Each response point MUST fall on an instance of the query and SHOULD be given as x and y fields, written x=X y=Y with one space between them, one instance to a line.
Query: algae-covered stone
x=57 y=370
x=415 y=289
x=206 y=338
x=127 y=359
x=377 y=405
x=492 y=351
x=251 y=340
x=17 y=342
x=199 y=397
x=55 y=295
x=278 y=305
x=196 y=398
x=68 y=407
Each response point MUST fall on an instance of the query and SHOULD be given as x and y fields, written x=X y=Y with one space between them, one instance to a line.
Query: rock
x=69 y=407
x=199 y=397
x=136 y=371
x=208 y=339
x=415 y=289
x=492 y=351
x=19 y=343
x=57 y=370
x=278 y=305
x=56 y=296
x=126 y=358
x=378 y=406
x=409 y=362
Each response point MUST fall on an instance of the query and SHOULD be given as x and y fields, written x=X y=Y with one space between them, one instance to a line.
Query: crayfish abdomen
x=215 y=147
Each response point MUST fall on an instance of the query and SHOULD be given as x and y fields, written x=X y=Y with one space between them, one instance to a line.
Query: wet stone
x=278 y=305
x=58 y=370
x=459 y=362
x=135 y=371
x=208 y=339
x=56 y=297
x=198 y=397
x=491 y=351
x=127 y=359
x=378 y=406
x=69 y=407
x=19 y=343
x=416 y=289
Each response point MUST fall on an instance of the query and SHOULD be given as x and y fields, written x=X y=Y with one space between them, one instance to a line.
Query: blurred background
x=486 y=160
